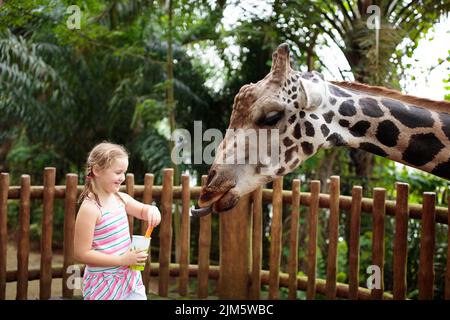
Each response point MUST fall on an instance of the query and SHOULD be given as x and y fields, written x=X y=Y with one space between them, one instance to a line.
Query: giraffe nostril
x=211 y=175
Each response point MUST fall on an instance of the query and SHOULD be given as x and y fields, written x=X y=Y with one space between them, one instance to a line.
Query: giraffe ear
x=310 y=94
x=280 y=63
x=274 y=61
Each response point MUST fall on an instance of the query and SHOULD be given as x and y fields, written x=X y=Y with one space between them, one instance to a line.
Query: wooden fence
x=239 y=273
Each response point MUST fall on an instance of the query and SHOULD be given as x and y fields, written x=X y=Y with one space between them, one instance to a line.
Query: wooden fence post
x=45 y=284
x=204 y=249
x=400 y=242
x=379 y=212
x=293 y=241
x=147 y=199
x=275 y=239
x=235 y=251
x=312 y=242
x=257 y=236
x=427 y=246
x=333 y=225
x=69 y=231
x=185 y=236
x=23 y=245
x=4 y=187
x=165 y=234
x=355 y=222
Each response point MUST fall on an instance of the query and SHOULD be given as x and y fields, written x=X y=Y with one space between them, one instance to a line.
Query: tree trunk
x=171 y=107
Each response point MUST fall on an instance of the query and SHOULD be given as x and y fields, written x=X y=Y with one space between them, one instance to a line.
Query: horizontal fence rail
x=239 y=273
x=345 y=202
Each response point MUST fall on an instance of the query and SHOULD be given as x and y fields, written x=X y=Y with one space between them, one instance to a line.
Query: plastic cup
x=139 y=243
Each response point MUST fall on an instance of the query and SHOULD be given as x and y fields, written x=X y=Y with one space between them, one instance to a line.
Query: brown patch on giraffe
x=307 y=148
x=287 y=141
x=289 y=153
x=436 y=105
x=242 y=103
x=280 y=171
x=294 y=164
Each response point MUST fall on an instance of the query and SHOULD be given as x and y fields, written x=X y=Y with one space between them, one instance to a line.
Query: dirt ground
x=34 y=262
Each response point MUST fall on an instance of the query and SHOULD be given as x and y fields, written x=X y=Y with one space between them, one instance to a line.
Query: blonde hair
x=102 y=156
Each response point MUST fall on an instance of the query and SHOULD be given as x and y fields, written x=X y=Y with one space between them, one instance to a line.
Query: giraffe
x=312 y=113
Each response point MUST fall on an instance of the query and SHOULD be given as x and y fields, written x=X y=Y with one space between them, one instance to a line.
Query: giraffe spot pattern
x=442 y=170
x=333 y=101
x=422 y=149
x=347 y=108
x=289 y=153
x=309 y=129
x=328 y=116
x=295 y=163
x=344 y=123
x=287 y=142
x=307 y=148
x=413 y=118
x=336 y=140
x=315 y=117
x=280 y=171
x=292 y=119
x=297 y=132
x=370 y=107
x=325 y=130
x=387 y=133
x=370 y=147
x=302 y=114
x=445 y=118
x=338 y=92
x=360 y=128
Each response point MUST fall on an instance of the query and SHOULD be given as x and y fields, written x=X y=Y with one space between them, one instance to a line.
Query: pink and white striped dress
x=111 y=236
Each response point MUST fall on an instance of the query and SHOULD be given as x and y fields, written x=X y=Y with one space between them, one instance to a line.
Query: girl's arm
x=141 y=211
x=84 y=232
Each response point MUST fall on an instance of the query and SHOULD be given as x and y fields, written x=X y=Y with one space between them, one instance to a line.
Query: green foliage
x=62 y=91
x=26 y=157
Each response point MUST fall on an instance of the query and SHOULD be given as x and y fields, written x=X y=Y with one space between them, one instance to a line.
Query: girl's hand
x=153 y=216
x=134 y=257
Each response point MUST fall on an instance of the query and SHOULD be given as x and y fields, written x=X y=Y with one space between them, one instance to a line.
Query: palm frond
x=184 y=90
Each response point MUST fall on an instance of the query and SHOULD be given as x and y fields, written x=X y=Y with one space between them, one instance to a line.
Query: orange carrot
x=148 y=233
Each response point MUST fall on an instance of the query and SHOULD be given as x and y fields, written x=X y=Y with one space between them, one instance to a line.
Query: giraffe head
x=272 y=106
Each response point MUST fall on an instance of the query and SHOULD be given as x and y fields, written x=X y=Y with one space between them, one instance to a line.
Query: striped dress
x=111 y=236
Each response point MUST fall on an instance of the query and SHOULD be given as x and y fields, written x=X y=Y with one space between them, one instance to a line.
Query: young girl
x=102 y=236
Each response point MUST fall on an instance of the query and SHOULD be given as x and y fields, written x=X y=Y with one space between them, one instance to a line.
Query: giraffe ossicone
x=311 y=113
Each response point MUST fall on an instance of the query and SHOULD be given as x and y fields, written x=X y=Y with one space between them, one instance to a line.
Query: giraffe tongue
x=201 y=212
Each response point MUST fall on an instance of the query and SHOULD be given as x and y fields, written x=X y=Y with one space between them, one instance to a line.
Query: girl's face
x=111 y=178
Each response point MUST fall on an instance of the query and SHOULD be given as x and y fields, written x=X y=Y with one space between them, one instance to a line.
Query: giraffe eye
x=271 y=118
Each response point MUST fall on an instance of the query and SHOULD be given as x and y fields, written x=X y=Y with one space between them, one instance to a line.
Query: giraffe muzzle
x=221 y=203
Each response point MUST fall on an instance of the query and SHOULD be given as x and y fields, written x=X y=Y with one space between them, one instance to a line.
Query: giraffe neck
x=408 y=134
